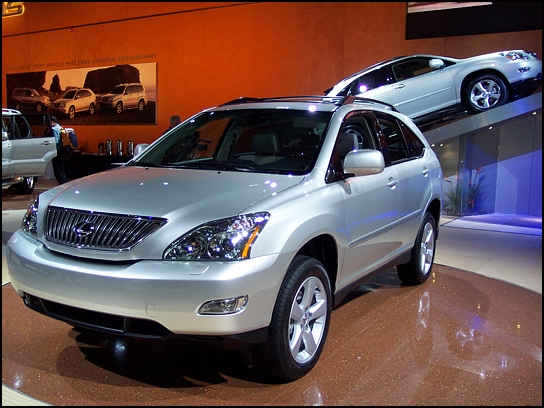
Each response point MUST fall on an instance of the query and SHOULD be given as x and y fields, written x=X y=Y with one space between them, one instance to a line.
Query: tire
x=300 y=322
x=27 y=186
x=72 y=112
x=39 y=107
x=91 y=109
x=119 y=107
x=418 y=269
x=17 y=106
x=485 y=92
x=141 y=105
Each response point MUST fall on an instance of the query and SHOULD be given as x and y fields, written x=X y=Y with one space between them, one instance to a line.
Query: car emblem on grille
x=83 y=229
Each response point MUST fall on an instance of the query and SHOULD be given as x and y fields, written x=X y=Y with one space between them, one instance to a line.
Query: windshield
x=260 y=140
x=70 y=94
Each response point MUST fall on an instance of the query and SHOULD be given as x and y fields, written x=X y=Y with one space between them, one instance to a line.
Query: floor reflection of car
x=75 y=100
x=125 y=96
x=30 y=99
x=25 y=155
x=422 y=86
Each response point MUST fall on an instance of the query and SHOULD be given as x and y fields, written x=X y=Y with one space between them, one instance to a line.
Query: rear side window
x=415 y=145
x=394 y=138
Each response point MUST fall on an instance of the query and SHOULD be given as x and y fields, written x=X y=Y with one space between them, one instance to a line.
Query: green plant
x=473 y=194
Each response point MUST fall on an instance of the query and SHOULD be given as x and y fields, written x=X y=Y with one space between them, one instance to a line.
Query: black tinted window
x=394 y=138
x=374 y=79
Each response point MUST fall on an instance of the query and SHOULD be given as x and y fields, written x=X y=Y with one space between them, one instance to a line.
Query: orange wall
x=209 y=53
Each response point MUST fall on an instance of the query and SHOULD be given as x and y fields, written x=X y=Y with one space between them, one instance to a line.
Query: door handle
x=46 y=143
x=425 y=171
x=400 y=86
x=392 y=183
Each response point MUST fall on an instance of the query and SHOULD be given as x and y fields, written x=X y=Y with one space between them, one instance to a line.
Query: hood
x=170 y=193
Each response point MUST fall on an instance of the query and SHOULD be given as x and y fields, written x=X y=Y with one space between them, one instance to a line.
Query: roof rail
x=355 y=99
x=304 y=98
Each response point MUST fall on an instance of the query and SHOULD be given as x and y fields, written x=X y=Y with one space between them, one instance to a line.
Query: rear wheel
x=486 y=92
x=300 y=322
x=418 y=269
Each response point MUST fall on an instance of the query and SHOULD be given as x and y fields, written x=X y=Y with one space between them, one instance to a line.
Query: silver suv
x=25 y=155
x=29 y=98
x=75 y=100
x=249 y=222
x=125 y=96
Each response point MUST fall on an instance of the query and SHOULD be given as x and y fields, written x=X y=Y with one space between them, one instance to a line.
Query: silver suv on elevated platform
x=249 y=222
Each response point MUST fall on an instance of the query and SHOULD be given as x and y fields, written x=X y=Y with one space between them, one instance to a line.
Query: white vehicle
x=423 y=86
x=246 y=223
x=25 y=156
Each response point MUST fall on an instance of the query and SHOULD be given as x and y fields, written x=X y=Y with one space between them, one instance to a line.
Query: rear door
x=30 y=153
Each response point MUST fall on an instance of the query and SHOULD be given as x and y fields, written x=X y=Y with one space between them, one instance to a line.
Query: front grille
x=100 y=231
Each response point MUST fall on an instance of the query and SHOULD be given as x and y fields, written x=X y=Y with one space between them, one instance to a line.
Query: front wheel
x=485 y=92
x=119 y=107
x=72 y=112
x=39 y=107
x=141 y=105
x=300 y=322
x=91 y=109
x=418 y=269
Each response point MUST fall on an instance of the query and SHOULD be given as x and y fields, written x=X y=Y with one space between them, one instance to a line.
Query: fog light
x=224 y=306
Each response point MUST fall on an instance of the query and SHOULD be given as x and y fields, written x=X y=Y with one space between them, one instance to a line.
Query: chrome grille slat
x=112 y=232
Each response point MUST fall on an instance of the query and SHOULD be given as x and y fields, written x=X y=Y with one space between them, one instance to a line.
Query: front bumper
x=143 y=293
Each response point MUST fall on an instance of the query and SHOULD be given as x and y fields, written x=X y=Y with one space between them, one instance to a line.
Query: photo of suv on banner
x=248 y=222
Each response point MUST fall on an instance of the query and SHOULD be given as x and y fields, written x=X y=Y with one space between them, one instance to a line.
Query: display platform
x=459 y=339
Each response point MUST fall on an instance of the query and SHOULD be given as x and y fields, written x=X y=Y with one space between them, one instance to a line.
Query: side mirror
x=140 y=148
x=364 y=162
x=4 y=136
x=436 y=63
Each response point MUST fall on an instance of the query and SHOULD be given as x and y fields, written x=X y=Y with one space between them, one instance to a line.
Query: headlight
x=223 y=240
x=30 y=219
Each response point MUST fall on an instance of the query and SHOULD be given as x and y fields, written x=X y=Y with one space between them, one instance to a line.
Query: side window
x=415 y=145
x=358 y=133
x=394 y=138
x=374 y=79
x=22 y=128
x=411 y=68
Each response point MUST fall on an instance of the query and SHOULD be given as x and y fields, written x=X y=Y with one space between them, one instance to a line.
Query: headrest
x=266 y=142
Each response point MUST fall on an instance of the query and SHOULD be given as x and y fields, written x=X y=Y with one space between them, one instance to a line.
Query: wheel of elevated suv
x=71 y=112
x=26 y=186
x=418 y=269
x=485 y=92
x=119 y=107
x=39 y=107
x=300 y=322
x=141 y=105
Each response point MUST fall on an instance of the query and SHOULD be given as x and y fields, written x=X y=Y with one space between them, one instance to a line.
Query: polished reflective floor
x=465 y=337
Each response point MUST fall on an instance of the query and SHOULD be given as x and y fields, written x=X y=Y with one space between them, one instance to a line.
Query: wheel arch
x=325 y=249
x=435 y=208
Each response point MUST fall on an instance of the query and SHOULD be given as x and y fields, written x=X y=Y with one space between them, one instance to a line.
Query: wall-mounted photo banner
x=110 y=95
